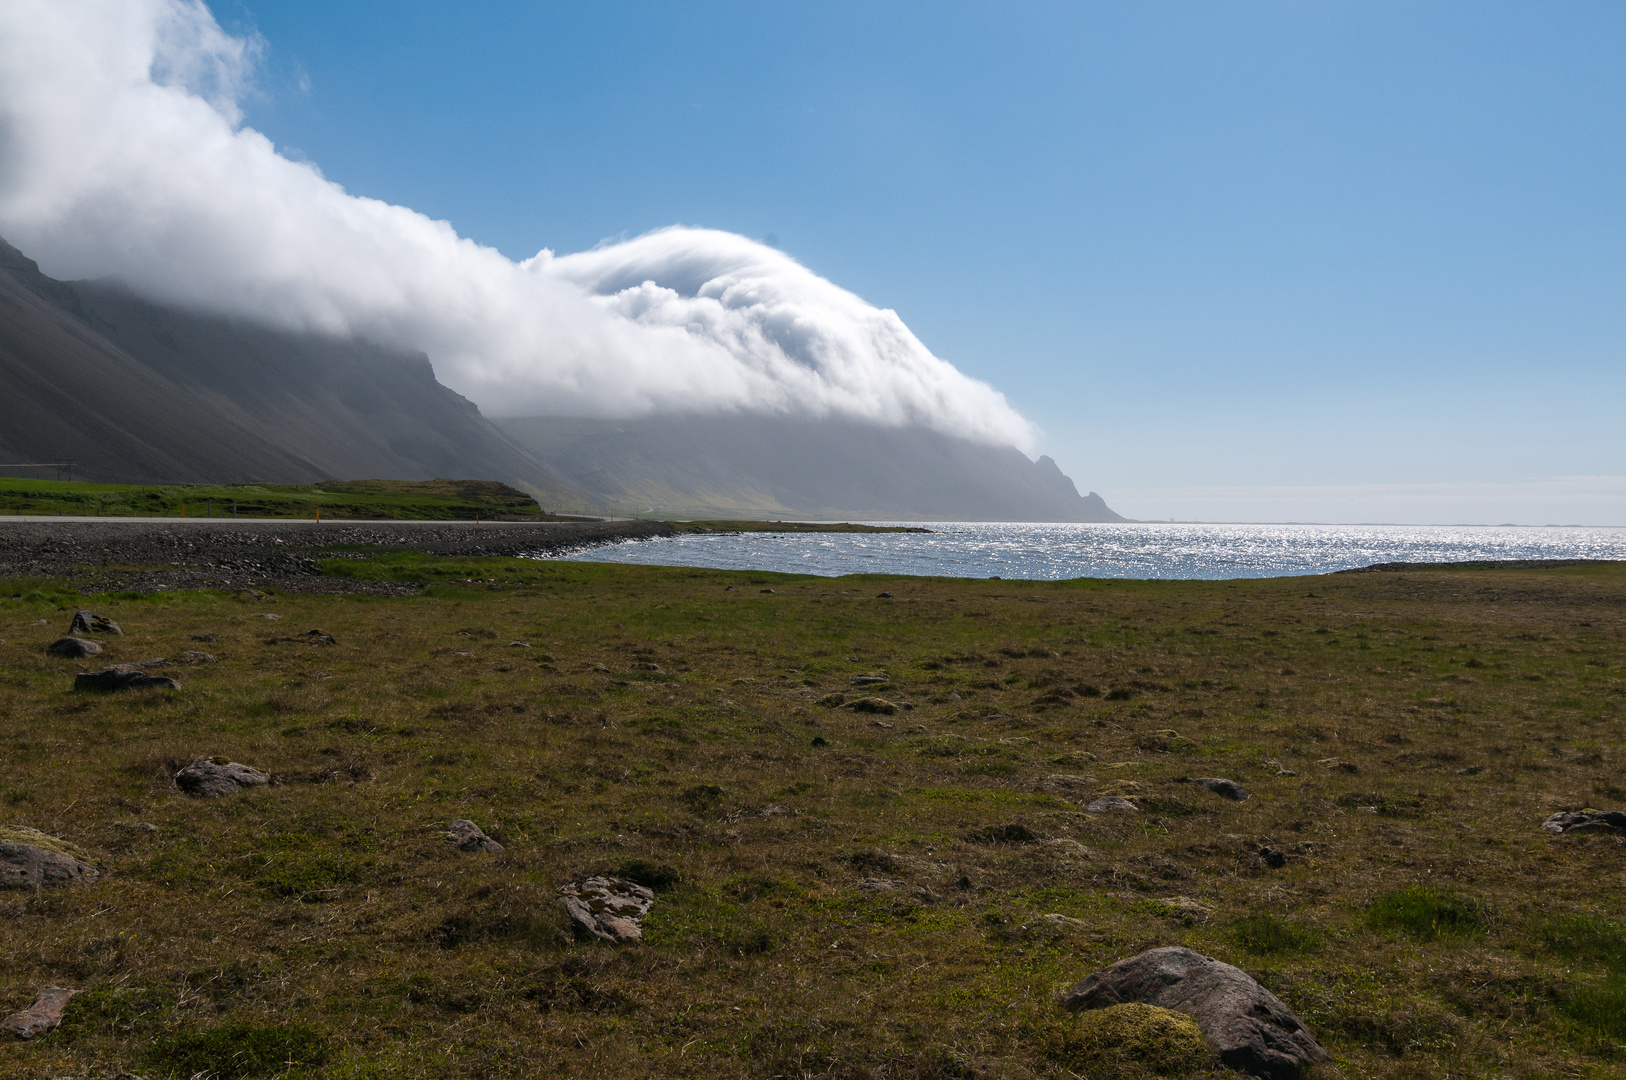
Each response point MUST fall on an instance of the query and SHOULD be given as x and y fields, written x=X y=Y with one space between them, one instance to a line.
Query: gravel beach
x=150 y=554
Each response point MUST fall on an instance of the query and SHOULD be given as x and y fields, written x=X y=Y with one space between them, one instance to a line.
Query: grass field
x=899 y=892
x=407 y=500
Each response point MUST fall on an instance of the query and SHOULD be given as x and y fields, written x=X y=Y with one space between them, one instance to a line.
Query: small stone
x=88 y=622
x=30 y=859
x=122 y=677
x=1111 y=803
x=883 y=596
x=74 y=647
x=769 y=591
x=519 y=644
x=40 y=1017
x=470 y=837
x=608 y=908
x=1272 y=858
x=1339 y=765
x=208 y=777
x=867 y=680
x=820 y=740
x=1585 y=821
x=315 y=637
x=1247 y=1026
x=880 y=724
x=1225 y=789
x=203 y=637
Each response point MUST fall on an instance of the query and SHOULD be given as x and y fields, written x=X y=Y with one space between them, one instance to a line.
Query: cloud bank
x=122 y=153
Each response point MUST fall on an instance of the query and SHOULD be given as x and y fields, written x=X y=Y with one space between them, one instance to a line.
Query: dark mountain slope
x=143 y=393
x=751 y=466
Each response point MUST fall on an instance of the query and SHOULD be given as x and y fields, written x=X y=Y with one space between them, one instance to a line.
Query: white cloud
x=122 y=154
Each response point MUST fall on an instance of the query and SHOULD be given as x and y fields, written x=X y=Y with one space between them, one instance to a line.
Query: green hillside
x=407 y=500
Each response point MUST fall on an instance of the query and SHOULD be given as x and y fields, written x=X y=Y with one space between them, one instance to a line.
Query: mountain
x=757 y=466
x=137 y=392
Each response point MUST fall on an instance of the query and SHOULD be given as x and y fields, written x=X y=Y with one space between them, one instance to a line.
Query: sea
x=1141 y=550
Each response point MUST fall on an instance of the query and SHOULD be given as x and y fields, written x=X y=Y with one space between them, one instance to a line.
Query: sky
x=1247 y=261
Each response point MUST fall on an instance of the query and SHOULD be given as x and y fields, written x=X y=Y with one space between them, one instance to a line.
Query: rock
x=40 y=1017
x=1585 y=821
x=608 y=908
x=122 y=677
x=1225 y=789
x=872 y=705
x=1066 y=783
x=192 y=656
x=208 y=777
x=769 y=591
x=1110 y=803
x=314 y=637
x=470 y=837
x=1272 y=858
x=30 y=859
x=88 y=622
x=1247 y=1026
x=203 y=637
x=519 y=644
x=867 y=680
x=883 y=596
x=1339 y=765
x=73 y=647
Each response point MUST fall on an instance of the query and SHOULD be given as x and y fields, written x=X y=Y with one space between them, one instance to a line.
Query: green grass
x=838 y=894
x=407 y=500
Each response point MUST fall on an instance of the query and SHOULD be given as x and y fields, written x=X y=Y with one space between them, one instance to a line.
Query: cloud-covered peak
x=122 y=154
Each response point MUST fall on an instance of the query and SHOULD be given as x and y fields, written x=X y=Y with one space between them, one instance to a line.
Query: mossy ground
x=840 y=893
x=379 y=500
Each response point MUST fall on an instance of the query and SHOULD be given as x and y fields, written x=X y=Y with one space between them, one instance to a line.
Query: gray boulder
x=1225 y=789
x=88 y=622
x=208 y=777
x=1246 y=1026
x=123 y=677
x=1107 y=804
x=75 y=648
x=30 y=859
x=470 y=837
x=1585 y=821
x=608 y=908
x=40 y=1017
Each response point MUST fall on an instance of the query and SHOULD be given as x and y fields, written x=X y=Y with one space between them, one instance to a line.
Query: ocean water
x=1052 y=552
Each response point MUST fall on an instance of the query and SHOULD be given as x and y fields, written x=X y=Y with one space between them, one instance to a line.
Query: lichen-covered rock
x=608 y=908
x=123 y=677
x=470 y=837
x=40 y=1017
x=88 y=622
x=75 y=648
x=1107 y=804
x=1585 y=821
x=30 y=859
x=208 y=777
x=1247 y=1026
x=1225 y=789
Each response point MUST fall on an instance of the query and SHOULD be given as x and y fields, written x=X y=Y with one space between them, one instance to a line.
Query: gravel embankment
x=115 y=553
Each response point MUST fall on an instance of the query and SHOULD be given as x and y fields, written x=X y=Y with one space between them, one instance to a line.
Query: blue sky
x=1241 y=261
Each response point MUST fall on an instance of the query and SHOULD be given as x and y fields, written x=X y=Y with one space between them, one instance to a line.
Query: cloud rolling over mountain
x=122 y=154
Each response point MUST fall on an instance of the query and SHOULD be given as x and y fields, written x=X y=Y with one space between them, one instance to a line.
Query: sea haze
x=1053 y=552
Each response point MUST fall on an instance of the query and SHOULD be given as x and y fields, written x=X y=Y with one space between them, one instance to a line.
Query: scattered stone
x=1272 y=858
x=1585 y=821
x=269 y=616
x=608 y=908
x=192 y=656
x=880 y=724
x=883 y=596
x=208 y=777
x=30 y=859
x=1247 y=1026
x=88 y=622
x=654 y=669
x=820 y=740
x=204 y=637
x=470 y=837
x=40 y=1017
x=867 y=680
x=519 y=644
x=122 y=677
x=1225 y=789
x=74 y=647
x=1111 y=803
x=872 y=705
x=1339 y=765
x=314 y=637
x=769 y=591
x=1067 y=784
